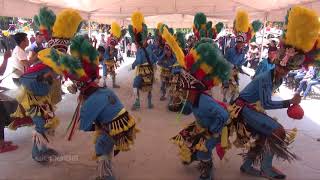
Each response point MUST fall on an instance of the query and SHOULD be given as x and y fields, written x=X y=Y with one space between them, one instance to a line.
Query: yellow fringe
x=52 y=123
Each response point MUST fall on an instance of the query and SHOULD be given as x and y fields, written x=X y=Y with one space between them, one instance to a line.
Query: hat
x=203 y=29
x=58 y=30
x=138 y=30
x=204 y=66
x=242 y=28
x=115 y=34
x=302 y=35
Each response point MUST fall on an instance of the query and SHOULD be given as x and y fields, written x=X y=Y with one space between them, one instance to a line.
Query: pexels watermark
x=61 y=158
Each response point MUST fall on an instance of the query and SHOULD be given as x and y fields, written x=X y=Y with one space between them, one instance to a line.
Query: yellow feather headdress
x=137 y=20
x=241 y=23
x=116 y=30
x=303 y=27
x=67 y=24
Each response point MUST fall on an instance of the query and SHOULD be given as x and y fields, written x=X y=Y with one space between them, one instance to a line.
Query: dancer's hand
x=296 y=99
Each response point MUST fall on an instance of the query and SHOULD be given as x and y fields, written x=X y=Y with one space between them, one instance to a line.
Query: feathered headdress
x=59 y=29
x=44 y=21
x=203 y=29
x=81 y=65
x=302 y=34
x=242 y=27
x=115 y=34
x=205 y=65
x=138 y=30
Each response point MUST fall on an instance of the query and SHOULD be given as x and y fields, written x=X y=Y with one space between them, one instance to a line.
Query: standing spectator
x=19 y=57
x=32 y=39
x=129 y=49
x=5 y=146
x=102 y=41
x=94 y=42
x=36 y=47
x=133 y=49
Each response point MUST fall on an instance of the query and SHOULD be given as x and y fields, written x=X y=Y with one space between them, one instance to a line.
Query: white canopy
x=175 y=13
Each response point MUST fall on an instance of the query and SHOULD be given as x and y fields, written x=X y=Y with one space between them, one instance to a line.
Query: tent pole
x=264 y=31
x=89 y=20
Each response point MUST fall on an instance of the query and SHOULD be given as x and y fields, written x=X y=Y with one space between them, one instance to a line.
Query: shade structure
x=175 y=13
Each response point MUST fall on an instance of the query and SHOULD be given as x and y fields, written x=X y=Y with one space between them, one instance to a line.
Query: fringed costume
x=261 y=134
x=144 y=62
x=203 y=68
x=99 y=109
x=111 y=55
x=236 y=55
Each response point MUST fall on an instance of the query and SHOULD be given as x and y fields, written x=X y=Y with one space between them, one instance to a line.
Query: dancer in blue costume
x=166 y=62
x=265 y=136
x=40 y=93
x=99 y=109
x=236 y=55
x=144 y=62
x=203 y=68
x=111 y=55
x=267 y=64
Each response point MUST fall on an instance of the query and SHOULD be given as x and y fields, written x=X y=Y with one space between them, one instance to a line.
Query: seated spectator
x=5 y=146
x=310 y=79
x=298 y=77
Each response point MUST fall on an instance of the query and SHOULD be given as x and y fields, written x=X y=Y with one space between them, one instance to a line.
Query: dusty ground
x=153 y=156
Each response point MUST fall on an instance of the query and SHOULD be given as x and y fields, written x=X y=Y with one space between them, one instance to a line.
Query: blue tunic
x=167 y=63
x=235 y=57
x=141 y=57
x=102 y=106
x=209 y=114
x=261 y=89
x=264 y=66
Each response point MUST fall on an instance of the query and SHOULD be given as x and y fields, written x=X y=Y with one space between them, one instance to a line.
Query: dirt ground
x=153 y=157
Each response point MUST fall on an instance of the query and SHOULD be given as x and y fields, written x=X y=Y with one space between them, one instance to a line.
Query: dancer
x=166 y=61
x=38 y=95
x=99 y=110
x=203 y=68
x=236 y=55
x=111 y=55
x=266 y=137
x=144 y=62
x=176 y=95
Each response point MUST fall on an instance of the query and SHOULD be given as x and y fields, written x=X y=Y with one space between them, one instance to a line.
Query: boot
x=105 y=169
x=136 y=105
x=267 y=170
x=205 y=168
x=247 y=167
x=114 y=82
x=150 y=105
x=38 y=155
